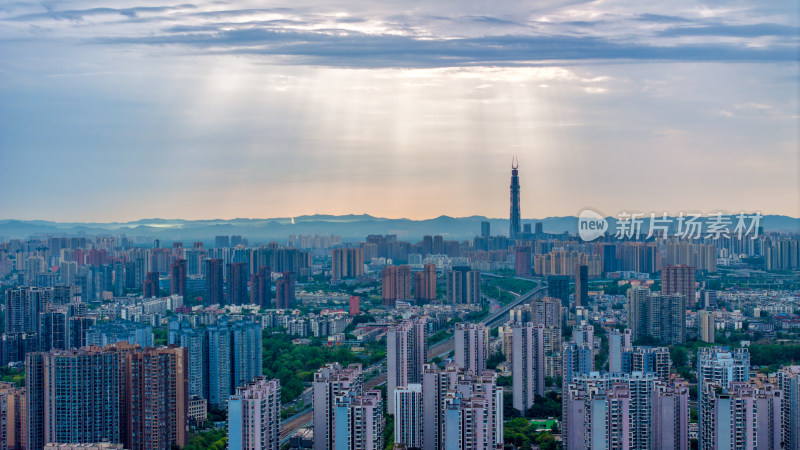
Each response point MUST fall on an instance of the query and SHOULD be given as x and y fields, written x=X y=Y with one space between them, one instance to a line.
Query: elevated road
x=501 y=315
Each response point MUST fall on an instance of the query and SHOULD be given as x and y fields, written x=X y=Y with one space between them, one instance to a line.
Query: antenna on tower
x=514 y=162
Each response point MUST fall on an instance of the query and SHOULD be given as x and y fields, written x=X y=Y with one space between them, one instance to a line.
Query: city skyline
x=235 y=110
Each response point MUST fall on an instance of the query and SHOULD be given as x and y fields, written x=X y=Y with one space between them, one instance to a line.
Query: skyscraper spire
x=514 y=219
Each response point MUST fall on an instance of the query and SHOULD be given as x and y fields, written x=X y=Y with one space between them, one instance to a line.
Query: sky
x=122 y=110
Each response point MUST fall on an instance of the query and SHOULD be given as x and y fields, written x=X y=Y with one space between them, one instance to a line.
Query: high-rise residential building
x=473 y=414
x=523 y=258
x=463 y=285
x=347 y=263
x=706 y=326
x=150 y=286
x=254 y=416
x=618 y=343
x=581 y=285
x=514 y=218
x=527 y=364
x=284 y=291
x=718 y=367
x=73 y=396
x=660 y=316
x=576 y=360
x=218 y=358
x=12 y=417
x=330 y=383
x=155 y=398
x=106 y=333
x=425 y=283
x=558 y=287
x=23 y=306
x=625 y=412
x=359 y=421
x=435 y=385
x=237 y=283
x=177 y=277
x=679 y=279
x=246 y=350
x=54 y=330
x=261 y=287
x=222 y=241
x=406 y=354
x=485 y=229
x=408 y=418
x=214 y=281
x=655 y=360
x=471 y=347
x=789 y=383
x=741 y=416
x=355 y=305
x=546 y=311
x=396 y=284
x=181 y=333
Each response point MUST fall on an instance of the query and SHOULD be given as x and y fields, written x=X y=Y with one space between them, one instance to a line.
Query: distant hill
x=350 y=227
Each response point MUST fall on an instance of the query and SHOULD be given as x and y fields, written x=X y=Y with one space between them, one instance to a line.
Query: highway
x=306 y=418
x=501 y=315
x=441 y=349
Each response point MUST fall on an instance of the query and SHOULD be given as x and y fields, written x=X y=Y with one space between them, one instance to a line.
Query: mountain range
x=350 y=227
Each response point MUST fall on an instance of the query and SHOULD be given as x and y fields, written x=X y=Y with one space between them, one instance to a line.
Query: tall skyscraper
x=358 y=421
x=425 y=283
x=527 y=364
x=182 y=333
x=347 y=263
x=618 y=342
x=647 y=360
x=789 y=383
x=73 y=396
x=408 y=418
x=222 y=241
x=473 y=415
x=406 y=354
x=177 y=278
x=718 y=367
x=254 y=416
x=237 y=284
x=679 y=279
x=625 y=412
x=471 y=347
x=706 y=326
x=330 y=383
x=514 y=217
x=150 y=287
x=214 y=281
x=23 y=306
x=485 y=229
x=12 y=416
x=661 y=316
x=741 y=416
x=261 y=287
x=284 y=291
x=396 y=284
x=558 y=287
x=155 y=398
x=523 y=260
x=581 y=285
x=463 y=285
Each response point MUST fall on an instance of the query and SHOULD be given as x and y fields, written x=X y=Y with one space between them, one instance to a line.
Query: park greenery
x=522 y=433
x=215 y=439
x=295 y=364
